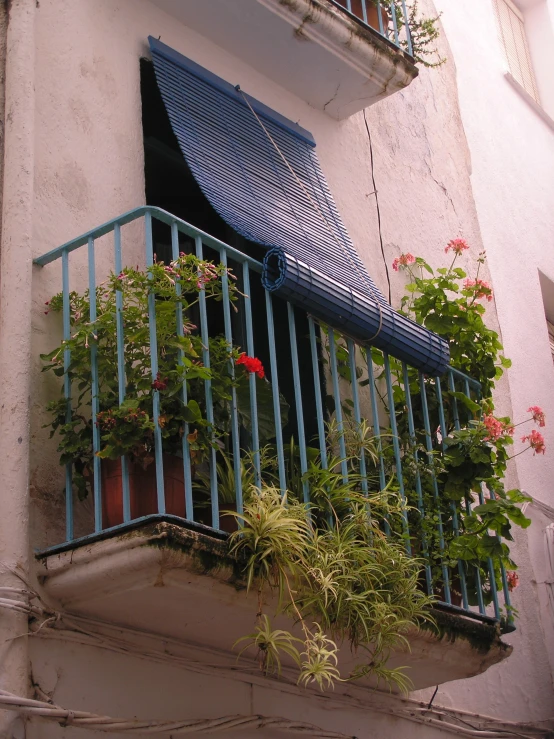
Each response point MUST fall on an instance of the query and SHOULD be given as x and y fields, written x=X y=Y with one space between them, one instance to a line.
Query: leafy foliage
x=125 y=302
x=335 y=574
x=470 y=447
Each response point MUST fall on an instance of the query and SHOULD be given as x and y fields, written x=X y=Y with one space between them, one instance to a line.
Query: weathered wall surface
x=89 y=168
x=512 y=176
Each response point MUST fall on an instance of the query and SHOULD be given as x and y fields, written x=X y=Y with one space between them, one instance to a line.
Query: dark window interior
x=170 y=185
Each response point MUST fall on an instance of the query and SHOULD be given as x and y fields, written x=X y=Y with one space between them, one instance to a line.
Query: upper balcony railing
x=325 y=404
x=358 y=51
x=389 y=18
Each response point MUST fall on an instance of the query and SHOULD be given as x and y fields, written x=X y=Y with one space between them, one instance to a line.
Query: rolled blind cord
x=316 y=206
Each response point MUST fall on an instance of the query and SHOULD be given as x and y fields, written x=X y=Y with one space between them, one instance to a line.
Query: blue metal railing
x=389 y=17
x=408 y=413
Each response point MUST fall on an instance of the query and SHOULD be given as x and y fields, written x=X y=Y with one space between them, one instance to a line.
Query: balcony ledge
x=310 y=47
x=163 y=578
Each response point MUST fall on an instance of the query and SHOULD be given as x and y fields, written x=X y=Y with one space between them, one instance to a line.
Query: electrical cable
x=77 y=629
x=375 y=192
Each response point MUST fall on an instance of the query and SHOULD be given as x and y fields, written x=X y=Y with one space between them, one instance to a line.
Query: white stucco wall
x=512 y=156
x=89 y=168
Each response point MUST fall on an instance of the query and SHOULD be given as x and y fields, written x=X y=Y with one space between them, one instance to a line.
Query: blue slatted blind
x=311 y=260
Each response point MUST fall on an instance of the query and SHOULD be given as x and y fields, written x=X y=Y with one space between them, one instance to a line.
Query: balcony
x=339 y=57
x=152 y=539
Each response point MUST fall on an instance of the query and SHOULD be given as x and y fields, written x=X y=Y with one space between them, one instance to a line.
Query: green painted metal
x=342 y=393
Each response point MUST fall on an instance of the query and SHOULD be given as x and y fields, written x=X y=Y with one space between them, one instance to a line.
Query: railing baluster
x=357 y=411
x=429 y=446
x=376 y=426
x=275 y=392
x=394 y=23
x=364 y=10
x=318 y=400
x=338 y=406
x=455 y=524
x=298 y=402
x=67 y=392
x=457 y=426
x=189 y=506
x=252 y=378
x=382 y=30
x=494 y=591
x=154 y=368
x=121 y=381
x=419 y=491
x=208 y=391
x=97 y=482
x=319 y=404
x=407 y=28
x=397 y=455
x=349 y=5
x=235 y=438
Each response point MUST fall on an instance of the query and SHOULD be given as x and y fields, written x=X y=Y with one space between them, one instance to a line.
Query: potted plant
x=127 y=429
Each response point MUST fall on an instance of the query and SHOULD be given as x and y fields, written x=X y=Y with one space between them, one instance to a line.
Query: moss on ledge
x=452 y=627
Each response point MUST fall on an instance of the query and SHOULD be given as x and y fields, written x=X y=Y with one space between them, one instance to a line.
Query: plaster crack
x=333 y=97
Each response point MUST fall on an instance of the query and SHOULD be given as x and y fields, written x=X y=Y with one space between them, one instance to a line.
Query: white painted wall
x=88 y=167
x=512 y=176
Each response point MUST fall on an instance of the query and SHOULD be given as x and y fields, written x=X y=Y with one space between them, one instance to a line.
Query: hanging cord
x=317 y=208
x=375 y=192
x=82 y=631
x=93 y=721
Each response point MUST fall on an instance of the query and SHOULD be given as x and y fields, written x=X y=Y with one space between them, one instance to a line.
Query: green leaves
x=339 y=581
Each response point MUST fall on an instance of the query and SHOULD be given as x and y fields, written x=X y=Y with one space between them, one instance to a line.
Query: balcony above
x=168 y=580
x=327 y=55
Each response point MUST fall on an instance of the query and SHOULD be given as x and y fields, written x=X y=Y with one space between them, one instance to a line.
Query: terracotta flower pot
x=371 y=13
x=455 y=592
x=142 y=489
x=227 y=522
x=373 y=17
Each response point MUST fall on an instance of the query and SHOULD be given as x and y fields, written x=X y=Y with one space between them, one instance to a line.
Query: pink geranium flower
x=457 y=246
x=402 y=261
x=538 y=415
x=496 y=428
x=536 y=441
x=482 y=288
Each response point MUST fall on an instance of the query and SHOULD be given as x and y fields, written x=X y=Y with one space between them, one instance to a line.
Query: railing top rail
x=135 y=214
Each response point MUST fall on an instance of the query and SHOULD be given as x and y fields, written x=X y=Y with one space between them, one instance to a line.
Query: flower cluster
x=205 y=275
x=480 y=288
x=457 y=246
x=496 y=428
x=402 y=261
x=536 y=442
x=512 y=579
x=107 y=421
x=538 y=415
x=158 y=383
x=251 y=364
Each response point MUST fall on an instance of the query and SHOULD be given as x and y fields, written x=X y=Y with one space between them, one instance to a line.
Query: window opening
x=511 y=25
x=169 y=184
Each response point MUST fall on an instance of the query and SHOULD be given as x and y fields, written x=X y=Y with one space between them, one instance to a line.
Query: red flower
x=159 y=384
x=457 y=246
x=536 y=442
x=252 y=364
x=402 y=261
x=513 y=580
x=538 y=415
